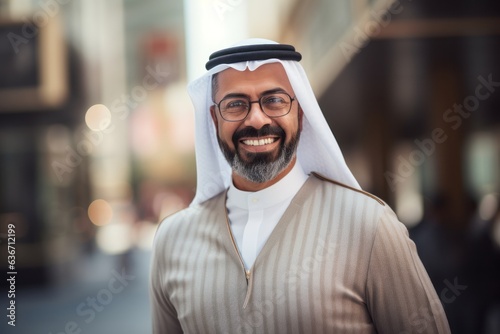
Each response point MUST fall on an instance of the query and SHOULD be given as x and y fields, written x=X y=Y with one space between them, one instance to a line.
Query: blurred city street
x=42 y=310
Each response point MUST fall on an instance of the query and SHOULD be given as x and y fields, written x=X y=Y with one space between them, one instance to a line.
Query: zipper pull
x=247 y=274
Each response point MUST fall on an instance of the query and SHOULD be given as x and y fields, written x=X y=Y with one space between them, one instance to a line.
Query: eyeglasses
x=236 y=109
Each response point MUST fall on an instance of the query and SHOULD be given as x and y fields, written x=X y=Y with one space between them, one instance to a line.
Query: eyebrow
x=269 y=91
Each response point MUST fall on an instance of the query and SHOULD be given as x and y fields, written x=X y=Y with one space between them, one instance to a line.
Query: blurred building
x=95 y=147
x=411 y=90
x=89 y=128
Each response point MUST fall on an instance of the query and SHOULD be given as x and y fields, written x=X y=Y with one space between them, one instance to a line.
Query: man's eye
x=274 y=99
x=236 y=104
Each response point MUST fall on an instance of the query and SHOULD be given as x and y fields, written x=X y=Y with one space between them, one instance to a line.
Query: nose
x=256 y=117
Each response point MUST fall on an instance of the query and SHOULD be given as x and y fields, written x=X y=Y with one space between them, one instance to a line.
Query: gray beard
x=261 y=171
x=262 y=167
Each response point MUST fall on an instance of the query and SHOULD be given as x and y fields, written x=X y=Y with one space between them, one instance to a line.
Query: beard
x=259 y=167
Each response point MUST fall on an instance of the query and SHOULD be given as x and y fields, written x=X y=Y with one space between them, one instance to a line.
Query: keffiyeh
x=318 y=150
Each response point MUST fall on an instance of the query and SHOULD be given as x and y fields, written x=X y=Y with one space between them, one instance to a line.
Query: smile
x=259 y=142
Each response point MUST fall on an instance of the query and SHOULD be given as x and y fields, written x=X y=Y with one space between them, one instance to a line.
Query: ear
x=214 y=118
x=301 y=116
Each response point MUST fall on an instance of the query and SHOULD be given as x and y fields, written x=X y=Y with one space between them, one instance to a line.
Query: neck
x=245 y=185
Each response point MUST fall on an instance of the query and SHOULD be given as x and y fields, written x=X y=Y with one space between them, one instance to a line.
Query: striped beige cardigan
x=337 y=262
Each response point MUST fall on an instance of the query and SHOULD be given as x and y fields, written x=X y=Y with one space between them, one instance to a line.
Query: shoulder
x=180 y=223
x=358 y=193
x=359 y=209
x=382 y=215
x=364 y=211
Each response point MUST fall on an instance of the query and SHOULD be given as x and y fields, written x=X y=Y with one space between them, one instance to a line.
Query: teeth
x=259 y=142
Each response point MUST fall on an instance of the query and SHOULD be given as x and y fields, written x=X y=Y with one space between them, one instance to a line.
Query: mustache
x=266 y=130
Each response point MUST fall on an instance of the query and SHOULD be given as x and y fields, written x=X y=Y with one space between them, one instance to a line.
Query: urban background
x=97 y=139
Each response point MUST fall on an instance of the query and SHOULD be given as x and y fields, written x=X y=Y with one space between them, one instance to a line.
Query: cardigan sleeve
x=164 y=315
x=400 y=296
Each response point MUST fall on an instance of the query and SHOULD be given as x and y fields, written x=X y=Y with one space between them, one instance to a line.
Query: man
x=279 y=237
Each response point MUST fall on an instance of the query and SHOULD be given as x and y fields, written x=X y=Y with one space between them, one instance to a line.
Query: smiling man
x=279 y=237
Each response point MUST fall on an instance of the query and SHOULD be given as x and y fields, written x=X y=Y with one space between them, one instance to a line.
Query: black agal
x=253 y=52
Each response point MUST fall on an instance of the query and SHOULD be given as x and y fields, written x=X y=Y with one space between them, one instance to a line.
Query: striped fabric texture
x=338 y=261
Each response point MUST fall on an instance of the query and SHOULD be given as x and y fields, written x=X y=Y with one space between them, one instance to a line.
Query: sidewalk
x=107 y=298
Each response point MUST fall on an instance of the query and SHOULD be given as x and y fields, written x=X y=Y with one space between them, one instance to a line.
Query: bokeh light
x=488 y=207
x=100 y=212
x=98 y=117
x=114 y=239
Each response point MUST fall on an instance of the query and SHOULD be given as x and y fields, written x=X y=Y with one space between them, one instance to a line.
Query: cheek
x=291 y=128
x=225 y=132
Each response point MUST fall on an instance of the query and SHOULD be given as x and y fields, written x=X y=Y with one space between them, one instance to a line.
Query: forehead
x=265 y=77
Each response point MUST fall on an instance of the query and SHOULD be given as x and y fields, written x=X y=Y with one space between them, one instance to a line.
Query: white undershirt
x=254 y=215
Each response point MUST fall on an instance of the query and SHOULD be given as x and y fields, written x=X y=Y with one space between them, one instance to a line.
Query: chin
x=260 y=157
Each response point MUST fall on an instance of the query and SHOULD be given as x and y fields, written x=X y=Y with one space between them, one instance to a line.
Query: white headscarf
x=318 y=150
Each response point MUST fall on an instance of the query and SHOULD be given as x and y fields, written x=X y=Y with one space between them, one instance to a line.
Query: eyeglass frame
x=256 y=101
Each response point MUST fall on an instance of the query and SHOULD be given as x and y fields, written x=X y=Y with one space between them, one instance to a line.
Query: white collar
x=282 y=190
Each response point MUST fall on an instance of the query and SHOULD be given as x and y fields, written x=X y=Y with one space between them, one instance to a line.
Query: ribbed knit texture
x=338 y=261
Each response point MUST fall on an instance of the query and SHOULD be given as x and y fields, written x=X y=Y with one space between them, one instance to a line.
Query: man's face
x=257 y=148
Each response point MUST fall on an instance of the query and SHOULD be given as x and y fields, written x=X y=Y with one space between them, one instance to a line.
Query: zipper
x=248 y=273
